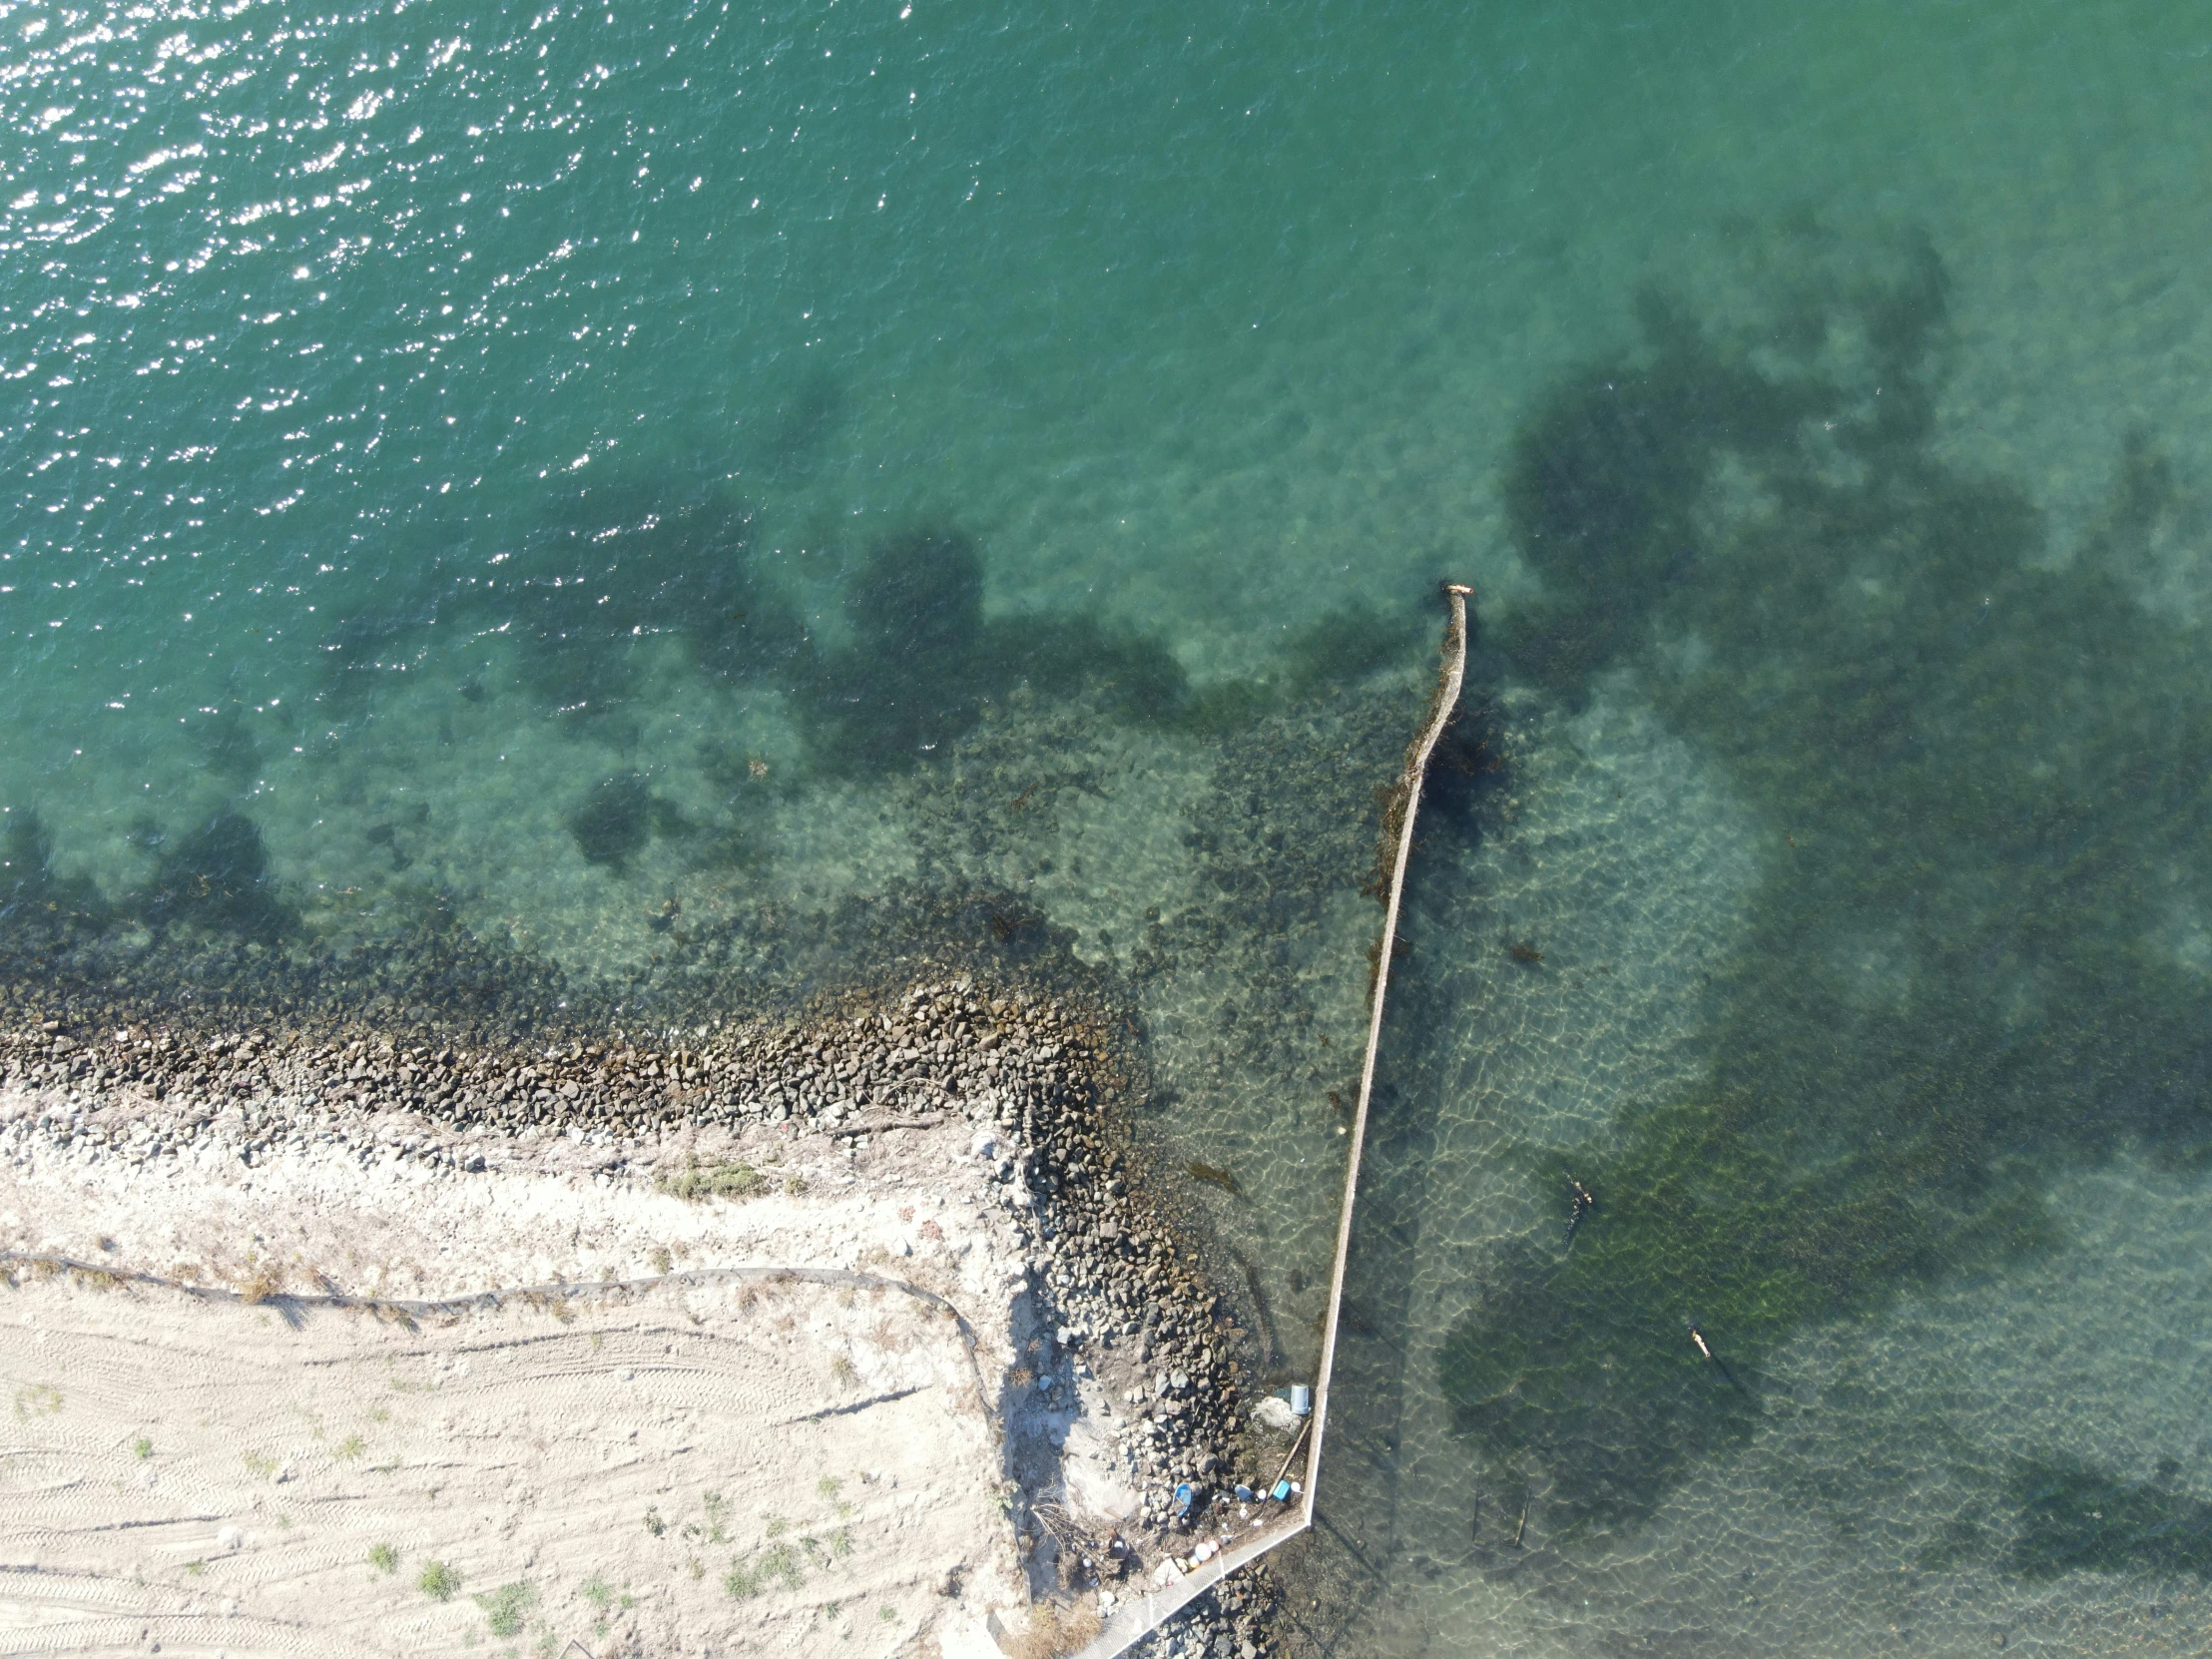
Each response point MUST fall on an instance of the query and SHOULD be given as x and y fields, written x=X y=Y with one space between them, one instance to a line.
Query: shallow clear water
x=619 y=485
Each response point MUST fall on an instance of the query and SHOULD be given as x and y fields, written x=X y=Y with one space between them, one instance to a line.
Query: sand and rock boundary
x=234 y=1247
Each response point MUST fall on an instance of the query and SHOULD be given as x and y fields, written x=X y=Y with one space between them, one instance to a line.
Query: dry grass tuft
x=697 y=1181
x=1054 y=1631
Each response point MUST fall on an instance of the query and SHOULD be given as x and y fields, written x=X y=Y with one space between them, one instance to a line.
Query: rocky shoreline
x=1131 y=1336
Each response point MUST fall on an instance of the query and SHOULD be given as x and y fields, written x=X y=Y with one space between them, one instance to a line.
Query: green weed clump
x=697 y=1181
x=749 y=1575
x=37 y=1399
x=781 y=1561
x=504 y=1607
x=438 y=1582
x=384 y=1558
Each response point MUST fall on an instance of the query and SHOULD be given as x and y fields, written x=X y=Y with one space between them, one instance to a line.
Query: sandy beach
x=324 y=1353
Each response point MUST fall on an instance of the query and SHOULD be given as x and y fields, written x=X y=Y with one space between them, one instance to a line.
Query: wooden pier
x=1133 y=1620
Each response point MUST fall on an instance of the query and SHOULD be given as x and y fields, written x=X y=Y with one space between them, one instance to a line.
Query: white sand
x=699 y=1468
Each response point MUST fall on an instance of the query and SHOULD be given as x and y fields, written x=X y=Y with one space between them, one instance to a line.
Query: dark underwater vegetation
x=606 y=570
x=1984 y=774
x=2072 y=1517
x=924 y=659
x=215 y=875
x=618 y=563
x=614 y=567
x=31 y=896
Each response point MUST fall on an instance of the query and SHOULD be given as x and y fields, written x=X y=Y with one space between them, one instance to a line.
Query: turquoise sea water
x=627 y=487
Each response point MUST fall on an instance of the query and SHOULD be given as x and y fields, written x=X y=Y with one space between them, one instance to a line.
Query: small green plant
x=653 y=1522
x=781 y=1561
x=548 y=1645
x=776 y=1526
x=504 y=1607
x=698 y=1567
x=889 y=1616
x=259 y=1465
x=38 y=1399
x=662 y=1258
x=841 y=1541
x=841 y=1369
x=384 y=1558
x=438 y=1582
x=713 y=1505
x=743 y=1580
x=351 y=1446
x=829 y=1486
x=598 y=1592
x=143 y=1446
x=194 y=1568
x=697 y=1181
